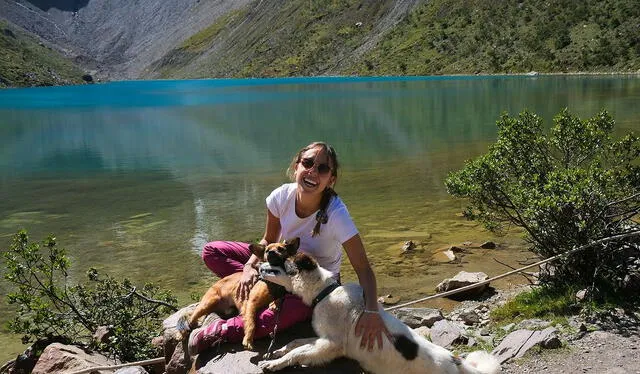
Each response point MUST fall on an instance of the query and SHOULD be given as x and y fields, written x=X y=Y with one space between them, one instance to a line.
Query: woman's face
x=313 y=172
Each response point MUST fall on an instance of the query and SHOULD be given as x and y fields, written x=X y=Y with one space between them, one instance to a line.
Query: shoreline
x=531 y=74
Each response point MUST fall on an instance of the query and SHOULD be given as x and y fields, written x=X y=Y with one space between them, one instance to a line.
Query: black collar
x=324 y=293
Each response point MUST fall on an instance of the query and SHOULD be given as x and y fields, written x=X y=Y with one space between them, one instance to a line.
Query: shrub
x=48 y=308
x=565 y=188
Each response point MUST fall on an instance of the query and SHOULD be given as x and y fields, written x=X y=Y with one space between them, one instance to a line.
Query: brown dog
x=222 y=297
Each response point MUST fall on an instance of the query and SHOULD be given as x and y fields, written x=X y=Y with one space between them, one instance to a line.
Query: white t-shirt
x=326 y=247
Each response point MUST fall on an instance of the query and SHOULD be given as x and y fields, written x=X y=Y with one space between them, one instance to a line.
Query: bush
x=565 y=188
x=50 y=309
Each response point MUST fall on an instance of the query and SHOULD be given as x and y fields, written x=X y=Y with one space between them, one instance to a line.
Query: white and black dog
x=336 y=311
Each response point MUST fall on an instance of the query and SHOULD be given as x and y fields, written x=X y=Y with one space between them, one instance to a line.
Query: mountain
x=148 y=39
x=26 y=60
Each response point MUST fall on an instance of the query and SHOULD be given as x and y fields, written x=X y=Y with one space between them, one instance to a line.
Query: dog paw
x=248 y=345
x=279 y=352
x=268 y=366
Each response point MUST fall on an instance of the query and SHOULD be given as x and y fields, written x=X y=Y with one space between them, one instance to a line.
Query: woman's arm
x=370 y=324
x=250 y=271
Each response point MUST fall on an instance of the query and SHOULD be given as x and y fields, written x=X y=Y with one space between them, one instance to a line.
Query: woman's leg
x=292 y=311
x=225 y=258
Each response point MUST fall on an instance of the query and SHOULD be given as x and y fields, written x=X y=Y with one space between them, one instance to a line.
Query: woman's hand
x=248 y=279
x=371 y=327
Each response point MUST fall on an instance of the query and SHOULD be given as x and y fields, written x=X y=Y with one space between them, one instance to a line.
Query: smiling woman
x=290 y=208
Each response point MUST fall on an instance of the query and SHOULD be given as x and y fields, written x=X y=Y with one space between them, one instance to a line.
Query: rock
x=551 y=343
x=102 y=334
x=158 y=341
x=408 y=246
x=456 y=249
x=463 y=279
x=180 y=361
x=171 y=321
x=533 y=324
x=423 y=331
x=581 y=295
x=472 y=342
x=444 y=256
x=416 y=317
x=131 y=370
x=519 y=342
x=470 y=318
x=508 y=327
x=488 y=245
x=233 y=359
x=446 y=334
x=58 y=358
x=87 y=78
x=388 y=300
x=9 y=33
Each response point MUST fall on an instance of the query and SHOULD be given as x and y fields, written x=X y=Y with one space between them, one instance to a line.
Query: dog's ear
x=305 y=262
x=257 y=249
x=292 y=246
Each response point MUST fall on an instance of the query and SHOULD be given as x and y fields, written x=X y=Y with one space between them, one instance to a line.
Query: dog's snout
x=274 y=258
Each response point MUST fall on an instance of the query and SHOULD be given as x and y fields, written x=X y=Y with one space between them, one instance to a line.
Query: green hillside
x=312 y=37
x=477 y=36
x=25 y=62
x=292 y=38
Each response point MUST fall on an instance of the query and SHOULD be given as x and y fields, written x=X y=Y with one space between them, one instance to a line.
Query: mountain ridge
x=151 y=39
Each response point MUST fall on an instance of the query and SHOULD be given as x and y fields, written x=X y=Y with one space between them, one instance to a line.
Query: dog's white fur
x=334 y=320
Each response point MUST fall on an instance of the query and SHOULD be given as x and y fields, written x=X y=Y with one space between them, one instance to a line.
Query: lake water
x=134 y=177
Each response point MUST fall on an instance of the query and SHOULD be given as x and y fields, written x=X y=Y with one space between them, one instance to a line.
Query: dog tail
x=407 y=347
x=483 y=362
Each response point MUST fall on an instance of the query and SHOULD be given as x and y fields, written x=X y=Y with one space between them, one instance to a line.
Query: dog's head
x=286 y=273
x=276 y=253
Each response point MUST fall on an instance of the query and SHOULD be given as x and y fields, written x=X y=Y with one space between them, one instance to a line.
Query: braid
x=321 y=216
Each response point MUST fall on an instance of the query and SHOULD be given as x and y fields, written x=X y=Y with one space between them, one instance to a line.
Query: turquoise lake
x=134 y=177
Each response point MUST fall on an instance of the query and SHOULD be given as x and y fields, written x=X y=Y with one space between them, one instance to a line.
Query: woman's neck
x=306 y=204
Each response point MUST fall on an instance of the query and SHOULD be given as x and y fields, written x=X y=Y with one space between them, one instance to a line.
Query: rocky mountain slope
x=26 y=60
x=116 y=39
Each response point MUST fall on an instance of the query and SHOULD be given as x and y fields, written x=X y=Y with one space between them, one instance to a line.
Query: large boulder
x=447 y=334
x=417 y=317
x=60 y=358
x=520 y=341
x=233 y=359
x=463 y=279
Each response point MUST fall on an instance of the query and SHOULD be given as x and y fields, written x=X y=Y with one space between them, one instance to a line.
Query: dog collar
x=324 y=293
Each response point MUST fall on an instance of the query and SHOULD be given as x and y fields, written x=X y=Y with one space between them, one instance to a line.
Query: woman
x=309 y=209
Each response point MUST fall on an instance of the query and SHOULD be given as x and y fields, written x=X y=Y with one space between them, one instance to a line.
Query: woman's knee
x=224 y=258
x=215 y=257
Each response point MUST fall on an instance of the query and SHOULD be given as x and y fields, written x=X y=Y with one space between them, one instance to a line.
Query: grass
x=543 y=303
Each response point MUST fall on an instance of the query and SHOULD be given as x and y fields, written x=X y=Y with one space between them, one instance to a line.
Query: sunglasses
x=309 y=162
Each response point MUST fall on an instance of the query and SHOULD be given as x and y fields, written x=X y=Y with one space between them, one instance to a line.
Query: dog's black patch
x=291 y=247
x=304 y=262
x=275 y=259
x=407 y=347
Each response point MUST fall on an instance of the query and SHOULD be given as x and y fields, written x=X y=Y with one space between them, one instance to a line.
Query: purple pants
x=225 y=258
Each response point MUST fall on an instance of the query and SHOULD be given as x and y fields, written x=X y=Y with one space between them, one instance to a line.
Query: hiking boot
x=206 y=337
